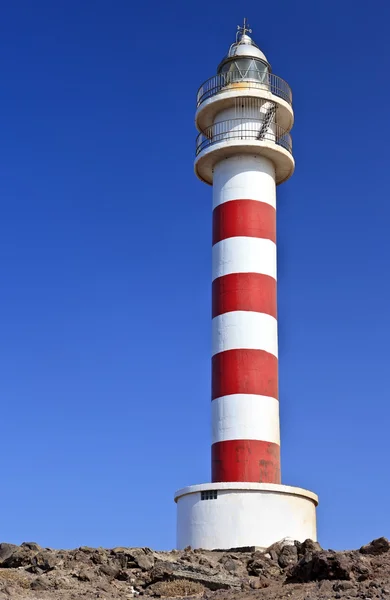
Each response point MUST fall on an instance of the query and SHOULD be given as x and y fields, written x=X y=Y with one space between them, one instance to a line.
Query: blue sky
x=105 y=246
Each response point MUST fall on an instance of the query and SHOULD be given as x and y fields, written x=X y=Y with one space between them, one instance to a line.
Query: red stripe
x=246 y=460
x=244 y=218
x=244 y=291
x=244 y=371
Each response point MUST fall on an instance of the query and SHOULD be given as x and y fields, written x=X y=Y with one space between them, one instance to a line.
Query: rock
x=259 y=583
x=378 y=546
x=260 y=565
x=204 y=562
x=307 y=547
x=343 y=586
x=161 y=570
x=318 y=566
x=277 y=574
x=228 y=561
x=6 y=551
x=288 y=556
x=12 y=556
x=143 y=559
x=216 y=582
x=99 y=557
x=87 y=549
x=219 y=582
x=121 y=558
x=46 y=561
x=32 y=546
x=231 y=565
x=85 y=575
x=275 y=550
x=61 y=583
x=40 y=584
x=134 y=557
x=104 y=587
x=188 y=557
x=109 y=571
x=124 y=576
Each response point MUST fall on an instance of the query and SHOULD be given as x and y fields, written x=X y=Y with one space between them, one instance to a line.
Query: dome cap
x=244 y=46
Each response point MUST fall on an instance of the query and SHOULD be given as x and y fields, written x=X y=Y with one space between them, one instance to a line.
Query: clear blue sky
x=105 y=237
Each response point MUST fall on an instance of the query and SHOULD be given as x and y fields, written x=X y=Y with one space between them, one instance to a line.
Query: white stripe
x=244 y=255
x=244 y=329
x=244 y=177
x=245 y=417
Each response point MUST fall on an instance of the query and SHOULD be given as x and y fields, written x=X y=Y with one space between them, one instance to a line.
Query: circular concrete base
x=232 y=515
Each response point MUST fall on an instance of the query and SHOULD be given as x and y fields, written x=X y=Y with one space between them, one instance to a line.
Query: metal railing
x=243 y=129
x=223 y=81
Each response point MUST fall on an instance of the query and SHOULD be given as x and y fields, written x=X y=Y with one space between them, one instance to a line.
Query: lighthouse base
x=233 y=515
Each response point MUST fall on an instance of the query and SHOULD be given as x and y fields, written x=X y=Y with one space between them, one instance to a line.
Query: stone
x=124 y=576
x=204 y=562
x=143 y=560
x=39 y=584
x=378 y=546
x=46 y=561
x=231 y=565
x=343 y=586
x=307 y=547
x=161 y=570
x=104 y=587
x=31 y=546
x=217 y=582
x=109 y=571
x=288 y=556
x=258 y=564
x=121 y=558
x=318 y=566
x=85 y=575
x=229 y=562
x=188 y=557
x=134 y=557
x=12 y=556
x=87 y=549
x=361 y=569
x=119 y=550
x=259 y=583
x=61 y=583
x=6 y=551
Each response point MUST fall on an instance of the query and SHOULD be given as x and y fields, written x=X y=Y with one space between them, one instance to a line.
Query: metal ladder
x=268 y=118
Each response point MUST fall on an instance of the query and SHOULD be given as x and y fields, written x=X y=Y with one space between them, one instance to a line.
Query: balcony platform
x=215 y=151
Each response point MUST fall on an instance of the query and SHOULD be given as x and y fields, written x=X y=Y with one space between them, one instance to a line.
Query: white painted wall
x=244 y=177
x=245 y=417
x=244 y=517
x=244 y=255
x=244 y=329
x=236 y=121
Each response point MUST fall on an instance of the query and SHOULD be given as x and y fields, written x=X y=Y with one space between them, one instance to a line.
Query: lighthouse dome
x=245 y=59
x=246 y=47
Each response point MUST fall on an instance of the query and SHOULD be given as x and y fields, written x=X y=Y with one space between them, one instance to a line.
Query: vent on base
x=209 y=495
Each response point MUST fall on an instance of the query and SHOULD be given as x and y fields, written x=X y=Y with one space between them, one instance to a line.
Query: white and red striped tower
x=244 y=115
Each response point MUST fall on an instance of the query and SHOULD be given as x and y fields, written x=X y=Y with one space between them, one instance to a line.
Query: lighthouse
x=244 y=117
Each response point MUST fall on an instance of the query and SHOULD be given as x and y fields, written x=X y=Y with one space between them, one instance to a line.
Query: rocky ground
x=288 y=570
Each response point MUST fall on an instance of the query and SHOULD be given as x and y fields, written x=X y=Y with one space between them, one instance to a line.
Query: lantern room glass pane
x=245 y=69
